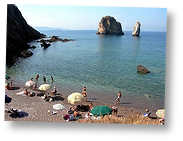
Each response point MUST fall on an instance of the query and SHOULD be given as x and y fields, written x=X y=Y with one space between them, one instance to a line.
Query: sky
x=88 y=17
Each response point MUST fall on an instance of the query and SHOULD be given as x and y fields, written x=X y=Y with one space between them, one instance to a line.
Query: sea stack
x=108 y=25
x=136 y=30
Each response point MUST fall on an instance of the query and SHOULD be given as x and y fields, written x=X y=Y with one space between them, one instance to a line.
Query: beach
x=38 y=110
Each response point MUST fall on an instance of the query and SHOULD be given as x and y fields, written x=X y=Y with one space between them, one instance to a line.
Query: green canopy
x=7 y=77
x=101 y=110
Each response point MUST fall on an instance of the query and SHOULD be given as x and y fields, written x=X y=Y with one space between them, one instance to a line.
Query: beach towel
x=21 y=93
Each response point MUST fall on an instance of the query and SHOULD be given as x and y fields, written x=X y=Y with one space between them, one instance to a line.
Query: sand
x=38 y=110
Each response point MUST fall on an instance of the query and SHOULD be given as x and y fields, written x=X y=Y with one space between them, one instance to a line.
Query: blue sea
x=105 y=64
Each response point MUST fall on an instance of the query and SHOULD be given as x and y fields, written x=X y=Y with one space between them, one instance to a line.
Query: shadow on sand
x=19 y=114
x=57 y=98
x=125 y=103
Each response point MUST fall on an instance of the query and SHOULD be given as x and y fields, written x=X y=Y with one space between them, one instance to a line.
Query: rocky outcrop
x=44 y=44
x=108 y=25
x=142 y=69
x=26 y=53
x=54 y=39
x=136 y=30
x=19 y=33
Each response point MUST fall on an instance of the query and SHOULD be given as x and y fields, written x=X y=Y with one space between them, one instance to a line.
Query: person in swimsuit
x=44 y=79
x=54 y=91
x=52 y=79
x=37 y=76
x=118 y=98
x=84 y=93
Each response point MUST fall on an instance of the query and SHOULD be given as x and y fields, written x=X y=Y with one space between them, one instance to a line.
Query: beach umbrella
x=160 y=113
x=7 y=77
x=75 y=98
x=44 y=87
x=58 y=107
x=101 y=110
x=29 y=83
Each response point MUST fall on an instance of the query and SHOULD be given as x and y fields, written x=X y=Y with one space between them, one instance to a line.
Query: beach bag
x=66 y=116
x=7 y=99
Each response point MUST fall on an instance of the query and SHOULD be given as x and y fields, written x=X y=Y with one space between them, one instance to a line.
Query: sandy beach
x=37 y=109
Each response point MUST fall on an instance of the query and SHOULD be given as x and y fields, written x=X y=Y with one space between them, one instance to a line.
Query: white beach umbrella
x=29 y=83
x=75 y=98
x=44 y=87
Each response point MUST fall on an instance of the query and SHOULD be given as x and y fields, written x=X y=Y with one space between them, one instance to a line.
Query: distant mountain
x=50 y=28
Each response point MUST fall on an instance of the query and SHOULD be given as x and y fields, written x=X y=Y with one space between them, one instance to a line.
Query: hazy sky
x=88 y=17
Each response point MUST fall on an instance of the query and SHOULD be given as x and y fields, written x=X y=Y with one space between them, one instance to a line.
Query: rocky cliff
x=19 y=33
x=108 y=25
x=136 y=30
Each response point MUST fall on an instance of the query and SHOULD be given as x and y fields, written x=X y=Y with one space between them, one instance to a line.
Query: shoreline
x=140 y=102
x=37 y=108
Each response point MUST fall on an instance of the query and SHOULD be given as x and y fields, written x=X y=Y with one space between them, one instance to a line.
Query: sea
x=105 y=64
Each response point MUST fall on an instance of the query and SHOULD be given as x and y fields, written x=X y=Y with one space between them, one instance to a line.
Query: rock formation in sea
x=142 y=69
x=136 y=30
x=108 y=25
x=19 y=33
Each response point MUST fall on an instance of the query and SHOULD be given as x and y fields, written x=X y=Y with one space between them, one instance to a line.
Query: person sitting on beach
x=84 y=93
x=26 y=92
x=114 y=110
x=118 y=98
x=76 y=113
x=54 y=91
x=8 y=86
x=70 y=111
x=11 y=86
x=87 y=116
x=31 y=80
x=147 y=113
x=162 y=121
x=34 y=86
x=91 y=106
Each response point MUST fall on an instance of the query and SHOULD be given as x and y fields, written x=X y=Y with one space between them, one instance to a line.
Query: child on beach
x=118 y=98
x=84 y=93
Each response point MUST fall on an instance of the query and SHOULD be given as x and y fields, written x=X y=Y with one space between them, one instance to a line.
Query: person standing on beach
x=44 y=79
x=37 y=76
x=84 y=93
x=118 y=98
x=51 y=79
